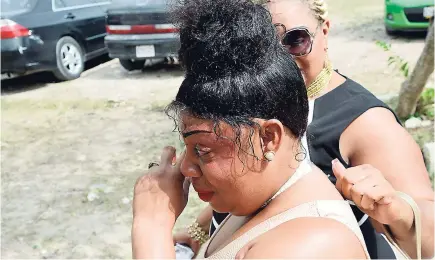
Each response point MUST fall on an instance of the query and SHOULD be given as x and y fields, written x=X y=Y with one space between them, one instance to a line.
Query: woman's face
x=293 y=14
x=230 y=179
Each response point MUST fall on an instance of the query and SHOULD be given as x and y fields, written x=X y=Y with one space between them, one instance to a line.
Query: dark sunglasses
x=298 y=41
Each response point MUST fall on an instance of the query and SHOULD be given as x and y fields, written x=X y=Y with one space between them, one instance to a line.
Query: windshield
x=17 y=6
x=151 y=3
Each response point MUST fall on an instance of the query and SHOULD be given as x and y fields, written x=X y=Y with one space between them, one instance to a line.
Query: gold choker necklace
x=321 y=81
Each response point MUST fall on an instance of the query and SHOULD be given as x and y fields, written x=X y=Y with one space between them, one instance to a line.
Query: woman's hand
x=161 y=194
x=183 y=237
x=372 y=194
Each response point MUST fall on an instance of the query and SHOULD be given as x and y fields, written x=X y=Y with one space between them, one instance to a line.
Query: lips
x=204 y=195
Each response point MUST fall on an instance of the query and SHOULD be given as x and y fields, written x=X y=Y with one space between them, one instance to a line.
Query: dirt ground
x=72 y=151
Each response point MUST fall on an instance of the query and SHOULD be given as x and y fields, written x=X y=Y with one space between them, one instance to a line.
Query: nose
x=190 y=169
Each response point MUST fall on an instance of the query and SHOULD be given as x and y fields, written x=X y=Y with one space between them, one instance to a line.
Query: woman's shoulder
x=341 y=106
x=349 y=94
x=306 y=238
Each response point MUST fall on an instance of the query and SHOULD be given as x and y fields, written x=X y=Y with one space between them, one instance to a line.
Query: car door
x=86 y=18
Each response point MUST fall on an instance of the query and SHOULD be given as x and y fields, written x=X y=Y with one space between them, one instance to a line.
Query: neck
x=284 y=173
x=321 y=81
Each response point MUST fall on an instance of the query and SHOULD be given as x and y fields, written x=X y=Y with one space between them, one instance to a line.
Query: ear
x=325 y=28
x=272 y=133
x=325 y=31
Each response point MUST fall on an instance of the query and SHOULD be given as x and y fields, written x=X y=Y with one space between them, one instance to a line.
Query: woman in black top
x=350 y=124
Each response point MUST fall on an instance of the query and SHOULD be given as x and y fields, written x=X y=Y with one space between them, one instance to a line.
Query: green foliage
x=385 y=46
x=395 y=60
x=425 y=105
x=427 y=97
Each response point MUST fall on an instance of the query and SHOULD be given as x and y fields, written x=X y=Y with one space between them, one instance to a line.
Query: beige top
x=338 y=210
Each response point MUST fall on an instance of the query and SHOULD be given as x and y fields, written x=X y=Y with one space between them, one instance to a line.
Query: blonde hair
x=318 y=7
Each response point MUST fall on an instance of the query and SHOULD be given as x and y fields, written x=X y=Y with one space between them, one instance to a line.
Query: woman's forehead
x=191 y=123
x=291 y=13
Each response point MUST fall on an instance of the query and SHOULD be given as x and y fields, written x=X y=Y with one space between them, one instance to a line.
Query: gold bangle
x=197 y=233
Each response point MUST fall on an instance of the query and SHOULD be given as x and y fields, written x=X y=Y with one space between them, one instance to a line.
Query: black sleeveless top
x=331 y=115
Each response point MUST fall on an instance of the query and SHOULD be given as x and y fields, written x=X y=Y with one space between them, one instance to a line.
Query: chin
x=232 y=211
x=219 y=208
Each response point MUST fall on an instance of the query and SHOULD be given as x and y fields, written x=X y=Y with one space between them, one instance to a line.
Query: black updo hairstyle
x=235 y=67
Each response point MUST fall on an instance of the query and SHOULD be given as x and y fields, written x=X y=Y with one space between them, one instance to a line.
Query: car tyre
x=70 y=59
x=131 y=65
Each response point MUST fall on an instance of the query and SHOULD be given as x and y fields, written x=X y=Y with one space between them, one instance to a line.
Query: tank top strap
x=333 y=209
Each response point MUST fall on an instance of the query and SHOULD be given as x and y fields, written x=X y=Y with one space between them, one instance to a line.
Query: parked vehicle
x=140 y=30
x=407 y=15
x=51 y=35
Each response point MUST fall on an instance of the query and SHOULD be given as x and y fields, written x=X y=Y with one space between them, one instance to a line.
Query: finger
x=338 y=186
x=177 y=166
x=377 y=193
x=167 y=156
x=385 y=200
x=338 y=169
x=360 y=190
x=367 y=203
x=355 y=195
x=350 y=188
x=179 y=160
x=357 y=173
x=186 y=185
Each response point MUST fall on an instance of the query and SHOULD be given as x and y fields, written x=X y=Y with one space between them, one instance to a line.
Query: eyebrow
x=187 y=134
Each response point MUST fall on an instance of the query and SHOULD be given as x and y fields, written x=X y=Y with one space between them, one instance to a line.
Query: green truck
x=407 y=15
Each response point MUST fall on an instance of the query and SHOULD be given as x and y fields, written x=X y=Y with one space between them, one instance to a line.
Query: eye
x=299 y=41
x=201 y=151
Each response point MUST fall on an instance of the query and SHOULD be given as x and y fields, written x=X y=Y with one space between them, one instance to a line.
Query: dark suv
x=51 y=35
x=140 y=30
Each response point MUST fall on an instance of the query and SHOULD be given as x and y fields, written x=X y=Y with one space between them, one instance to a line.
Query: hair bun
x=222 y=36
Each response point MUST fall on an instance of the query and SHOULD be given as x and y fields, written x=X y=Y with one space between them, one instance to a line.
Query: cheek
x=229 y=177
x=303 y=63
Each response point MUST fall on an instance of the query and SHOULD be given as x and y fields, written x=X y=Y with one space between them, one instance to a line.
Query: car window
x=120 y=3
x=58 y=4
x=17 y=6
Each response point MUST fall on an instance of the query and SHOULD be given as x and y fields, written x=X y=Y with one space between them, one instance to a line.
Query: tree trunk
x=413 y=87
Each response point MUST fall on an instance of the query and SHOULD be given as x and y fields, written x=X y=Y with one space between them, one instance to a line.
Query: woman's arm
x=160 y=195
x=204 y=220
x=376 y=138
x=151 y=239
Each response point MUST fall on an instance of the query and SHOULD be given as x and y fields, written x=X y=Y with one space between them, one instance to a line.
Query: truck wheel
x=132 y=64
x=70 y=59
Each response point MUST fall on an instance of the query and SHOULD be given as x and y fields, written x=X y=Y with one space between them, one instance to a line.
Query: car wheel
x=69 y=58
x=132 y=64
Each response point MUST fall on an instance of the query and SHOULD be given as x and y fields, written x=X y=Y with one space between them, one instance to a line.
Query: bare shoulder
x=306 y=238
x=375 y=124
x=376 y=138
x=374 y=119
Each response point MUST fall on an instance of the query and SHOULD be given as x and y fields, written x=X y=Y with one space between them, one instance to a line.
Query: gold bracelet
x=197 y=233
